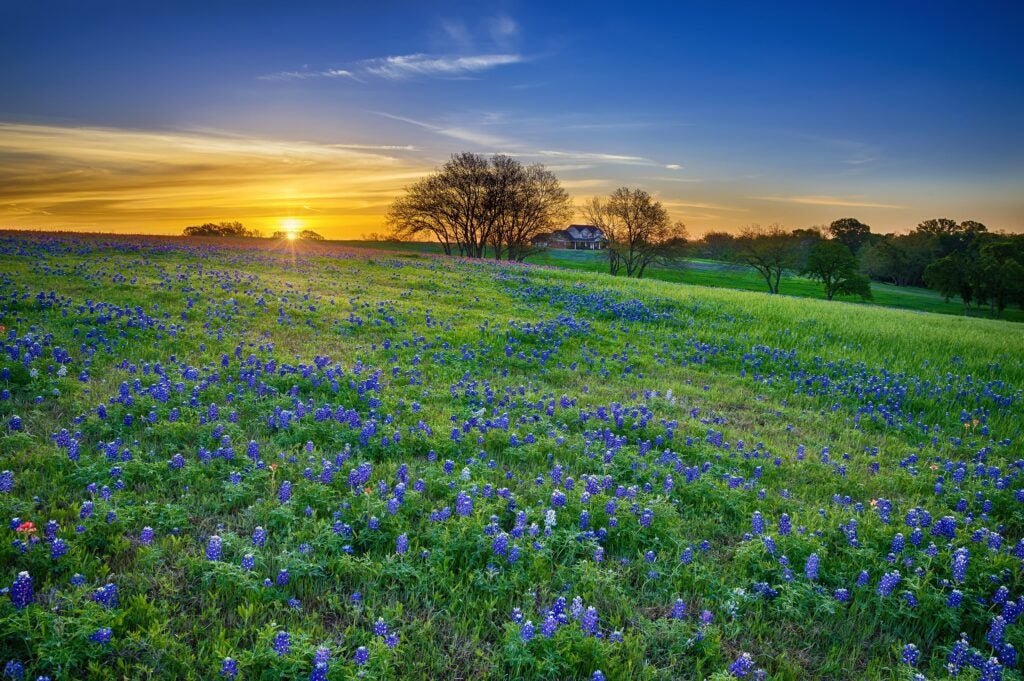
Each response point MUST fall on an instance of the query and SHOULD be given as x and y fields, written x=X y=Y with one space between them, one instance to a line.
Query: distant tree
x=937 y=227
x=472 y=203
x=1000 y=275
x=899 y=259
x=306 y=234
x=715 y=246
x=832 y=263
x=769 y=251
x=850 y=232
x=235 y=229
x=954 y=275
x=638 y=230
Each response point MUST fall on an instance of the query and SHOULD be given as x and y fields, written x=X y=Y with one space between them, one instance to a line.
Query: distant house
x=574 y=237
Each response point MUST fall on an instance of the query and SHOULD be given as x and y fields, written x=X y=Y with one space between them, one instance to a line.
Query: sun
x=291 y=228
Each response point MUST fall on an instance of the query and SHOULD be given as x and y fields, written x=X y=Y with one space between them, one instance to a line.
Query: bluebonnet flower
x=248 y=562
x=213 y=548
x=757 y=523
x=888 y=583
x=58 y=548
x=380 y=627
x=319 y=672
x=21 y=591
x=589 y=621
x=391 y=640
x=101 y=636
x=956 y=597
x=259 y=537
x=679 y=609
x=842 y=595
x=229 y=668
x=463 y=504
x=742 y=666
x=526 y=631
x=282 y=577
x=401 y=543
x=282 y=643
x=996 y=630
x=14 y=670
x=598 y=675
x=960 y=559
x=549 y=626
x=146 y=536
x=362 y=655
x=285 y=493
x=106 y=595
x=911 y=655
x=6 y=482
x=811 y=567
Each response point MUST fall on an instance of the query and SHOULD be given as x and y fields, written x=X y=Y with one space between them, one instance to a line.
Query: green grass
x=723 y=275
x=768 y=404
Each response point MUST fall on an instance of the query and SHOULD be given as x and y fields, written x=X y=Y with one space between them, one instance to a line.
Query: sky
x=146 y=117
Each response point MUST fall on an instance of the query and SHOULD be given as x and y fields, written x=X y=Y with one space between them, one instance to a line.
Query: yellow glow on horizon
x=137 y=181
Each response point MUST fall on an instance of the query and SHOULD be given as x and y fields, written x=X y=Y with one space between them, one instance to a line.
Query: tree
x=531 y=202
x=835 y=266
x=769 y=251
x=716 y=245
x=472 y=203
x=235 y=229
x=899 y=259
x=638 y=230
x=1000 y=276
x=937 y=227
x=306 y=234
x=953 y=275
x=850 y=232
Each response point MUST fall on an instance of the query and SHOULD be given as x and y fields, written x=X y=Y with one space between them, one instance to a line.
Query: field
x=292 y=462
x=725 y=275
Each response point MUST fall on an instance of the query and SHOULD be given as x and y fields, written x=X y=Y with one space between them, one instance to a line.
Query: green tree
x=953 y=275
x=236 y=229
x=1000 y=276
x=832 y=263
x=769 y=251
x=850 y=232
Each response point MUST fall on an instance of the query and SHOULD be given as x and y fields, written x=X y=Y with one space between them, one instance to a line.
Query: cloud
x=159 y=181
x=673 y=166
x=853 y=201
x=461 y=133
x=306 y=75
x=406 y=66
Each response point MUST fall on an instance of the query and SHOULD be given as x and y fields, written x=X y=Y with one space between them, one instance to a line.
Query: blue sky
x=731 y=113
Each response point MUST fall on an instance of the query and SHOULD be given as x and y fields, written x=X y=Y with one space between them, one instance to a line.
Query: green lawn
x=724 y=275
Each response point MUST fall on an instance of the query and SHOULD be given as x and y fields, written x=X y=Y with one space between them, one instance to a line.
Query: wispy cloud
x=307 y=75
x=407 y=66
x=851 y=201
x=463 y=134
x=404 y=67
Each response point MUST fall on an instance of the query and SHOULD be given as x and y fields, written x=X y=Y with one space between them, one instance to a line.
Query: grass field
x=723 y=275
x=242 y=460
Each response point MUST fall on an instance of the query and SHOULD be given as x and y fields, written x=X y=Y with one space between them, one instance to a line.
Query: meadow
x=227 y=460
x=718 y=274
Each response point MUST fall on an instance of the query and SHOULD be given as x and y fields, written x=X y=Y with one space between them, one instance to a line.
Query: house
x=574 y=237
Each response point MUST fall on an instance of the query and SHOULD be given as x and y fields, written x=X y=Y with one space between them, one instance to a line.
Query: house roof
x=584 y=233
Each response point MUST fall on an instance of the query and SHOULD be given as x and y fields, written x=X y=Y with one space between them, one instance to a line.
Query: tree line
x=959 y=260
x=238 y=230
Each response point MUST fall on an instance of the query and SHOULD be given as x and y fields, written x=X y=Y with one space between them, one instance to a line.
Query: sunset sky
x=147 y=117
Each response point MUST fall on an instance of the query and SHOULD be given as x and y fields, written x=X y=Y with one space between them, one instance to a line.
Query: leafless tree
x=638 y=230
x=473 y=203
x=770 y=251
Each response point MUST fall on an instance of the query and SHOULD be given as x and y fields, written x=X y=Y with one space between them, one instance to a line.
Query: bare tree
x=536 y=204
x=472 y=203
x=638 y=230
x=770 y=251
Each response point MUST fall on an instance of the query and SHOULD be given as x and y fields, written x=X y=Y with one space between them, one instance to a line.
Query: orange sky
x=133 y=181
